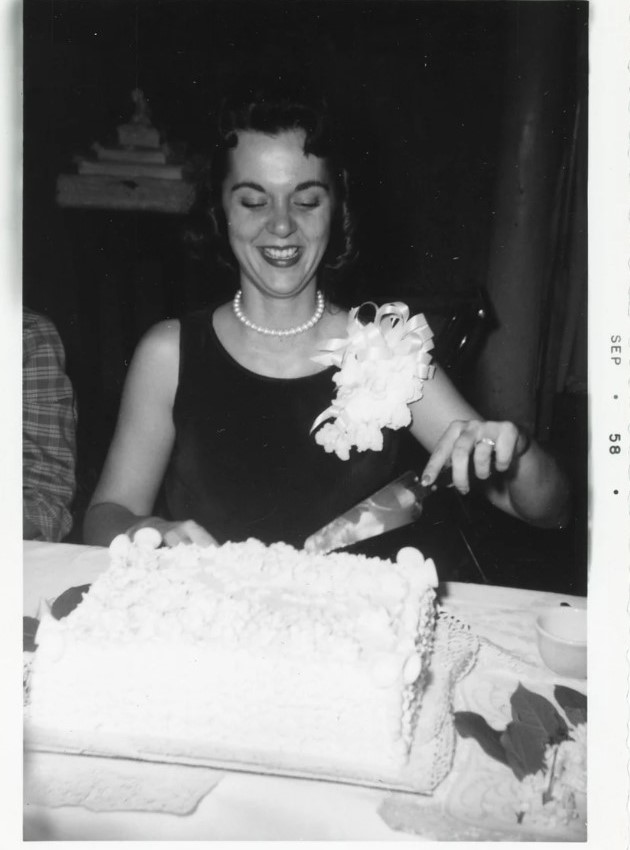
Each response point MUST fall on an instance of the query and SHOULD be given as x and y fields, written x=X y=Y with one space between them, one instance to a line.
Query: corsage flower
x=382 y=368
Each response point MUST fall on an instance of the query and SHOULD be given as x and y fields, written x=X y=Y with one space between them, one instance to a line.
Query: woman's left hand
x=475 y=446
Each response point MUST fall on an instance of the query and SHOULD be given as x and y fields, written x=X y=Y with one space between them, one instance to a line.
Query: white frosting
x=149 y=538
x=412 y=668
x=50 y=638
x=246 y=647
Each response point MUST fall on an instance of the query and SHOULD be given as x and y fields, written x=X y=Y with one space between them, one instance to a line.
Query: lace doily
x=109 y=785
x=506 y=639
x=454 y=655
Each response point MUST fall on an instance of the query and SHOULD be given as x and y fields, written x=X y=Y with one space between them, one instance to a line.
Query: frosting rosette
x=382 y=368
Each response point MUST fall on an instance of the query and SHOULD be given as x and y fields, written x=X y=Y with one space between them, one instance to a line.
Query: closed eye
x=307 y=201
x=252 y=205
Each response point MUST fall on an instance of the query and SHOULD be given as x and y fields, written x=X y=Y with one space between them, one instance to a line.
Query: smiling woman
x=278 y=205
x=281 y=133
x=219 y=407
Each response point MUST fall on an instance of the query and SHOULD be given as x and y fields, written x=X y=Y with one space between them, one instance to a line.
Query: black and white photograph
x=308 y=423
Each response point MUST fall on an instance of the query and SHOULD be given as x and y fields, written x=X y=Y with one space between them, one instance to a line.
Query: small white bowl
x=561 y=635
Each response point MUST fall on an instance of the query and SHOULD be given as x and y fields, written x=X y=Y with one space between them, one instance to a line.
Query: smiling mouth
x=281 y=257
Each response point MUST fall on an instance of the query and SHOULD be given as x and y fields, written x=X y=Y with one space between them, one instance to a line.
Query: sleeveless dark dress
x=244 y=463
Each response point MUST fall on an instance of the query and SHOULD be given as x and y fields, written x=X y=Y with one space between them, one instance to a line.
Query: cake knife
x=396 y=504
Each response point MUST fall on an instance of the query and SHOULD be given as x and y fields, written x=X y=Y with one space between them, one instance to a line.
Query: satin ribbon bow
x=391 y=333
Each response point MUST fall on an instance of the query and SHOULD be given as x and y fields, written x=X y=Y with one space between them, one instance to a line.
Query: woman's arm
x=141 y=448
x=517 y=474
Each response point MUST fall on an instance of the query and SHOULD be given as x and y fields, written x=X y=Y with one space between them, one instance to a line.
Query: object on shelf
x=143 y=172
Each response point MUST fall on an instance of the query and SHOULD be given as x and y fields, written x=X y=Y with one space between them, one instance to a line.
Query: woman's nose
x=280 y=222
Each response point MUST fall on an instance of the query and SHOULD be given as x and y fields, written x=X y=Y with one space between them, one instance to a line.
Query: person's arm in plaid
x=48 y=432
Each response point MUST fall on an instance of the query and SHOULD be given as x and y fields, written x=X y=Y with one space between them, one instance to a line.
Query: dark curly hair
x=273 y=107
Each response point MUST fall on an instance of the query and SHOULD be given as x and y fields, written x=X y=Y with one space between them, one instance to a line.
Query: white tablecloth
x=251 y=806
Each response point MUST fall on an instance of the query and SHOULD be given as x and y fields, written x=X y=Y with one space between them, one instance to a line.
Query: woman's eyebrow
x=308 y=184
x=246 y=184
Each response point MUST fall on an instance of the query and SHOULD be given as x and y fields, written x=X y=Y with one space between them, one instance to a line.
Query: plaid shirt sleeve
x=48 y=430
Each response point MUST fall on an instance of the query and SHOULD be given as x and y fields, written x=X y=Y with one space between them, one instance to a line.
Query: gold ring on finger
x=487 y=441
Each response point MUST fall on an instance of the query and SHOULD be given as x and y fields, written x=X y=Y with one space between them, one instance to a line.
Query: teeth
x=281 y=253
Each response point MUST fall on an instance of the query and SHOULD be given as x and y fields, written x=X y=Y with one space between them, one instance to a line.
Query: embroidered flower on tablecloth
x=382 y=368
x=546 y=753
x=549 y=795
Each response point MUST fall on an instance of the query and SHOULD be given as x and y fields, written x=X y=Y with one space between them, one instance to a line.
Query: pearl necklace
x=319 y=312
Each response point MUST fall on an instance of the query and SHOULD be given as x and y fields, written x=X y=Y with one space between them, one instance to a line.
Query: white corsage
x=382 y=368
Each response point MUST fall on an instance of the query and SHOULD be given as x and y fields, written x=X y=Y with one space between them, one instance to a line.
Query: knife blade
x=396 y=504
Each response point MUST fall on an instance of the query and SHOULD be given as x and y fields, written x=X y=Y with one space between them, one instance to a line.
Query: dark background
x=430 y=94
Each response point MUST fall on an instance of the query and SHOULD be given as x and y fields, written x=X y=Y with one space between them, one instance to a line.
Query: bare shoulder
x=159 y=345
x=156 y=359
x=163 y=335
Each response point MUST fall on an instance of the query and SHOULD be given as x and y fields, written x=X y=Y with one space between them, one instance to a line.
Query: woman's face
x=278 y=203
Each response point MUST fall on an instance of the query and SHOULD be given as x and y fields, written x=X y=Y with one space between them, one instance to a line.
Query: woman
x=218 y=408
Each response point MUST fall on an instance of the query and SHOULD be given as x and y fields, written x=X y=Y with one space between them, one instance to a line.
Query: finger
x=198 y=534
x=174 y=536
x=482 y=458
x=441 y=455
x=506 y=443
x=460 y=459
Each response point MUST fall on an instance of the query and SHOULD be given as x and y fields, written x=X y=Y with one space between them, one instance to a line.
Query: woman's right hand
x=175 y=532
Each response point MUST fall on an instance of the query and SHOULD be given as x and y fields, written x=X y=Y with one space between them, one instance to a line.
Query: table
x=250 y=806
